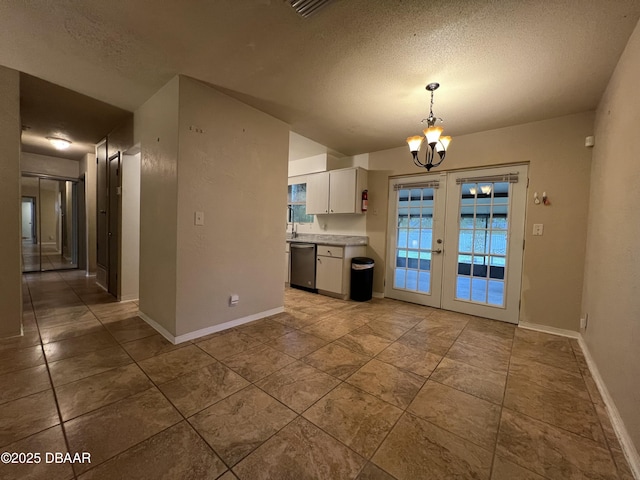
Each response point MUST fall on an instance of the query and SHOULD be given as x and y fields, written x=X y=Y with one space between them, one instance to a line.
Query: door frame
x=510 y=313
x=34 y=215
x=433 y=298
x=445 y=298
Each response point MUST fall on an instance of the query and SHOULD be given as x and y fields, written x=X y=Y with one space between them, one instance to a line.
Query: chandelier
x=436 y=144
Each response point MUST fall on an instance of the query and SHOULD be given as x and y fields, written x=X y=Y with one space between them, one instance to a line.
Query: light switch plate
x=538 y=229
x=199 y=218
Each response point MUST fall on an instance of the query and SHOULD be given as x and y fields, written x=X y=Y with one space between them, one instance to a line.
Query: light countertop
x=339 y=240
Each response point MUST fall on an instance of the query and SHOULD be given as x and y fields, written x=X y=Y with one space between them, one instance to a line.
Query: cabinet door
x=342 y=191
x=318 y=193
x=329 y=274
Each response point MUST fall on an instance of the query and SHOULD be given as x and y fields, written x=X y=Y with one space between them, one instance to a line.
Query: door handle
x=437 y=251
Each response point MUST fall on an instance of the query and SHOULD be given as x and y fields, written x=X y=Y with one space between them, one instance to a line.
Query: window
x=297 y=204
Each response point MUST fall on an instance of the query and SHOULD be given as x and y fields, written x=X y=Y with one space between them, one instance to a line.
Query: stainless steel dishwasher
x=303 y=265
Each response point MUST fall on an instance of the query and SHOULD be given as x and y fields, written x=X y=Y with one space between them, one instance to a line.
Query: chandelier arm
x=441 y=160
x=416 y=160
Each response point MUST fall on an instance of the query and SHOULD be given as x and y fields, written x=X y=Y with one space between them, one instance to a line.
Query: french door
x=456 y=240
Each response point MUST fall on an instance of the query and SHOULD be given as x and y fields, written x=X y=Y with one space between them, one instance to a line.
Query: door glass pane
x=496 y=292
x=482 y=242
x=399 y=277
x=463 y=288
x=414 y=240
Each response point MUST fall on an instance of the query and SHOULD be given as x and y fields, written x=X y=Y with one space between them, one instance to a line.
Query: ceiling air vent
x=306 y=8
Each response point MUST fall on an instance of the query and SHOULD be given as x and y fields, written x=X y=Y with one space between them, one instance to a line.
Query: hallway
x=328 y=389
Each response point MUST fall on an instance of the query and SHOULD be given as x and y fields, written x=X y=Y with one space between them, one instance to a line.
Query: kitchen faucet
x=294 y=234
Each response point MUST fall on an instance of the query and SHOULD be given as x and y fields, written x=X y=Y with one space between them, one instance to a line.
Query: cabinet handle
x=331 y=211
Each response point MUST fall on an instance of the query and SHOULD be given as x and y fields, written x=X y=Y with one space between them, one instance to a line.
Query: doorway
x=456 y=241
x=29 y=220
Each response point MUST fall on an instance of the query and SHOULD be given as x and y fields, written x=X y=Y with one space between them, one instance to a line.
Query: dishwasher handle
x=303 y=245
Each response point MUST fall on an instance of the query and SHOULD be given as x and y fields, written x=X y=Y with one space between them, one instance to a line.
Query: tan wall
x=559 y=164
x=10 y=244
x=47 y=165
x=236 y=173
x=49 y=214
x=156 y=129
x=130 y=228
x=612 y=273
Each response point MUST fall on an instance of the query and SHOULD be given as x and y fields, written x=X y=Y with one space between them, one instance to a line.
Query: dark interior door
x=114 y=223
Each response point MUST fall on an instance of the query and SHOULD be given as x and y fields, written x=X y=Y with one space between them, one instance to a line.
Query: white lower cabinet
x=333 y=268
x=329 y=274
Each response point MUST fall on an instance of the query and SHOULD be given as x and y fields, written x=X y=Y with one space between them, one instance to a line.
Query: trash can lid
x=362 y=261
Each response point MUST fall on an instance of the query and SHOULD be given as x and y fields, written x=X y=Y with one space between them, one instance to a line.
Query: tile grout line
x=504 y=395
x=53 y=390
x=154 y=385
x=405 y=410
x=298 y=415
x=341 y=382
x=593 y=404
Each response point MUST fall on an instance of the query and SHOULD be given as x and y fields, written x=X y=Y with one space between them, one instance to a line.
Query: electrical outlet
x=538 y=228
x=583 y=323
x=199 y=218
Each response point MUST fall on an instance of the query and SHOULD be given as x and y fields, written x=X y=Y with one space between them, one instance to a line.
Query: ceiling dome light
x=59 y=143
x=436 y=143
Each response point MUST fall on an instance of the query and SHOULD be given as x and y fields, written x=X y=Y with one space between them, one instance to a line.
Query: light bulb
x=59 y=143
x=433 y=134
x=415 y=143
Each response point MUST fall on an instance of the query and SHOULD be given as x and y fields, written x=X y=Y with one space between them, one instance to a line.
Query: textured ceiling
x=48 y=110
x=352 y=76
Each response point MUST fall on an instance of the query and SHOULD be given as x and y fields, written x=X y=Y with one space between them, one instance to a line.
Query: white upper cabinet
x=336 y=191
x=318 y=193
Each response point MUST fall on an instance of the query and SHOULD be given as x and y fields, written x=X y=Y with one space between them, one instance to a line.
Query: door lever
x=437 y=251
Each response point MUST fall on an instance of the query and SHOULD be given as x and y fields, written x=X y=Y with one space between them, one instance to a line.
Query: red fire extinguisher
x=365 y=200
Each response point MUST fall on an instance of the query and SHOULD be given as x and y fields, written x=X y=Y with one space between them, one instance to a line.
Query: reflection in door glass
x=414 y=240
x=482 y=243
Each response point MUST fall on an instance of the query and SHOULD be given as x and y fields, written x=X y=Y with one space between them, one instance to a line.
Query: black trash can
x=361 y=278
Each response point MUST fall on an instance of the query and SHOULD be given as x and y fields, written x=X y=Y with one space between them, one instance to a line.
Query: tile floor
x=327 y=390
x=36 y=258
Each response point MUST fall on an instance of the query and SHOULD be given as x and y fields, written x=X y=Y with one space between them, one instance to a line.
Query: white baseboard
x=157 y=327
x=129 y=298
x=628 y=448
x=377 y=294
x=208 y=330
x=552 y=330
